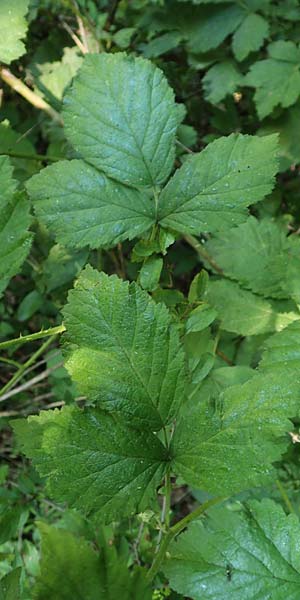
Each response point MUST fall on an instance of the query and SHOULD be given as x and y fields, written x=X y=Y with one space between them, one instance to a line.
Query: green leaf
x=221 y=80
x=162 y=44
x=81 y=206
x=15 y=240
x=150 y=273
x=200 y=317
x=246 y=313
x=30 y=304
x=256 y=254
x=212 y=189
x=198 y=286
x=10 y=521
x=121 y=116
x=125 y=352
x=277 y=78
x=211 y=25
x=12 y=141
x=282 y=351
x=93 y=460
x=249 y=36
x=252 y=553
x=13 y=27
x=218 y=445
x=61 y=266
x=10 y=586
x=71 y=568
x=288 y=128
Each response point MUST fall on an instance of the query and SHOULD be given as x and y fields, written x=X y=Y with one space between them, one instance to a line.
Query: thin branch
x=18 y=86
x=202 y=253
x=42 y=157
x=28 y=384
x=184 y=147
x=82 y=33
x=136 y=543
x=26 y=367
x=74 y=37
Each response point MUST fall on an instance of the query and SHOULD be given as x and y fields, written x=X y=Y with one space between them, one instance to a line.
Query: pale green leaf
x=82 y=206
x=228 y=444
x=212 y=189
x=93 y=461
x=125 y=352
x=221 y=80
x=15 y=240
x=120 y=115
x=13 y=27
x=53 y=78
x=245 y=313
x=252 y=554
x=72 y=569
x=249 y=36
x=276 y=79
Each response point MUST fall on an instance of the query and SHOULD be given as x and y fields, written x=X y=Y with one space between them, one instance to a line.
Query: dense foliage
x=150 y=300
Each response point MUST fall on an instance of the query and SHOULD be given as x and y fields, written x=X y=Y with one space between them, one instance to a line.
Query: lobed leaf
x=253 y=552
x=125 y=352
x=229 y=444
x=277 y=78
x=94 y=461
x=249 y=36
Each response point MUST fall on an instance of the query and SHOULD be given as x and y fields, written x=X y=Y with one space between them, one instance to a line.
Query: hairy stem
x=175 y=530
x=23 y=339
x=18 y=86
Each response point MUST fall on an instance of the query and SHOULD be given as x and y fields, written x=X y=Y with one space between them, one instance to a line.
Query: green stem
x=202 y=253
x=26 y=365
x=168 y=499
x=9 y=361
x=156 y=199
x=285 y=497
x=175 y=530
x=23 y=339
x=42 y=157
